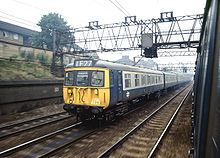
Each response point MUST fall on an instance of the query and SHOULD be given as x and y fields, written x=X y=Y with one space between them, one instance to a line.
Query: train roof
x=109 y=65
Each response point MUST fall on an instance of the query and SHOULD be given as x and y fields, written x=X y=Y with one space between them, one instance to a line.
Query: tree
x=53 y=23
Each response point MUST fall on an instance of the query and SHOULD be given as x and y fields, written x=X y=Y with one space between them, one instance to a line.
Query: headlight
x=69 y=91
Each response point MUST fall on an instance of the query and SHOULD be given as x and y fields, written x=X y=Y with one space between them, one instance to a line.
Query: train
x=206 y=93
x=103 y=90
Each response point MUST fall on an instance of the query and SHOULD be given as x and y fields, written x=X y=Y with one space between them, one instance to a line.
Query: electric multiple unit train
x=99 y=89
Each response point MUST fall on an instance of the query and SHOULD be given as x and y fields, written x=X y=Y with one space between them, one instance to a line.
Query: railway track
x=144 y=139
x=16 y=128
x=49 y=144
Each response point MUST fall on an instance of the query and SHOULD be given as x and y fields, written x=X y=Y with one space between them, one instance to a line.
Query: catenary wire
x=122 y=7
x=118 y=8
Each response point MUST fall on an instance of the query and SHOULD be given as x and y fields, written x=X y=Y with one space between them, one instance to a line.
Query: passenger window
x=151 y=80
x=111 y=78
x=137 y=80
x=143 y=80
x=148 y=79
x=97 y=78
x=127 y=80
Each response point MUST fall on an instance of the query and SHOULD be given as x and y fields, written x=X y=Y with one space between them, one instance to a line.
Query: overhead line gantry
x=166 y=32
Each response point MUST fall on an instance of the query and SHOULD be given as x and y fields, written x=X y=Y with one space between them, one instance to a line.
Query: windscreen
x=97 y=78
x=82 y=78
x=69 y=78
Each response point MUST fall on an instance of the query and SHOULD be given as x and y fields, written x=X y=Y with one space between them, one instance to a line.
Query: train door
x=119 y=78
x=113 y=87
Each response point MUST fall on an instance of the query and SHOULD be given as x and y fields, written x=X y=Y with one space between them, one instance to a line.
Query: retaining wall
x=18 y=96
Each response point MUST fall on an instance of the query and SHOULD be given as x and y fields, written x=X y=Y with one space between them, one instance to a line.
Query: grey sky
x=78 y=13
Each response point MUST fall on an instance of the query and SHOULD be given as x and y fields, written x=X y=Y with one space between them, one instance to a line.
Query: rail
x=7 y=130
x=120 y=141
x=26 y=144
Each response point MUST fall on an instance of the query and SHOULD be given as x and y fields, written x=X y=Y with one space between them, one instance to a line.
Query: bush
x=42 y=58
x=29 y=56
x=23 y=54
x=13 y=56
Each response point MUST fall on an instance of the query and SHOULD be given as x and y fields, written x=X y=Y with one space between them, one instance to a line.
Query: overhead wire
x=35 y=26
x=27 y=23
x=122 y=7
x=30 y=5
x=18 y=18
x=118 y=8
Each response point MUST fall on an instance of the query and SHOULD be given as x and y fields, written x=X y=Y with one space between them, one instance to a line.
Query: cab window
x=97 y=78
x=82 y=78
x=69 y=78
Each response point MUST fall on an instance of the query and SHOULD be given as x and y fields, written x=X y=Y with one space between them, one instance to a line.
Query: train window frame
x=76 y=78
x=127 y=80
x=148 y=79
x=137 y=80
x=159 y=79
x=143 y=80
x=65 y=83
x=101 y=80
x=151 y=79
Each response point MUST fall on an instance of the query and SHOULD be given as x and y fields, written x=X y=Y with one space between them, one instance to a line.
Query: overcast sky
x=78 y=13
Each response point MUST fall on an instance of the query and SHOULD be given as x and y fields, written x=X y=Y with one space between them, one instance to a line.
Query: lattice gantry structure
x=177 y=67
x=166 y=32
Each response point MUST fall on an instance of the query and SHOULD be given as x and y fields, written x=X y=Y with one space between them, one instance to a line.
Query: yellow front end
x=88 y=95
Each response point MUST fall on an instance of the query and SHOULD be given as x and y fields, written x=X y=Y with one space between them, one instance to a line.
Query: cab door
x=119 y=84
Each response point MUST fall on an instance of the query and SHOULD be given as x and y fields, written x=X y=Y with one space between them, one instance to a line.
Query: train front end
x=86 y=89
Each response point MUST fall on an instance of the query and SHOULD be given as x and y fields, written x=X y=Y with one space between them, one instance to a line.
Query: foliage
x=42 y=58
x=14 y=56
x=23 y=71
x=23 y=54
x=29 y=56
x=50 y=23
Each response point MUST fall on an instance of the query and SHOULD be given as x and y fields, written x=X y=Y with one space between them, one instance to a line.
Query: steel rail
x=31 y=127
x=47 y=154
x=119 y=142
x=19 y=147
x=26 y=121
x=152 y=153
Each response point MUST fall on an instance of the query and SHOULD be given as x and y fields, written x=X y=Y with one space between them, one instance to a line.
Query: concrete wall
x=17 y=96
x=7 y=50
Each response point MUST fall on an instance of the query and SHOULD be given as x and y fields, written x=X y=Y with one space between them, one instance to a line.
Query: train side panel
x=140 y=84
x=170 y=80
